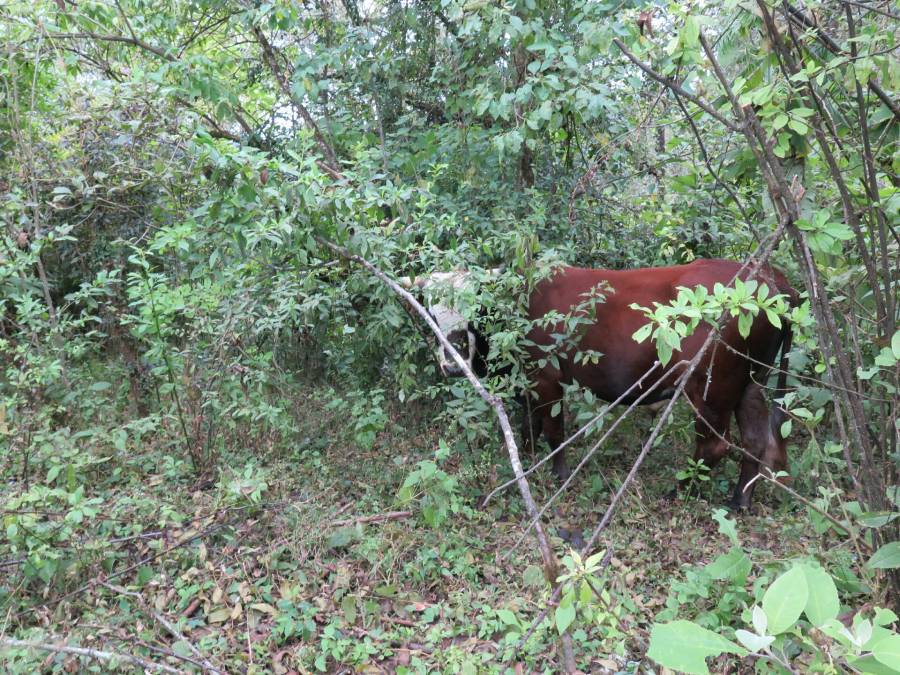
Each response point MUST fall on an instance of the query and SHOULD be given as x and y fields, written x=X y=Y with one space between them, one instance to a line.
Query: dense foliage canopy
x=172 y=175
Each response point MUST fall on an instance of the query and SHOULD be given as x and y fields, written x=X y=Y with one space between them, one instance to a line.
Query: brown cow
x=724 y=383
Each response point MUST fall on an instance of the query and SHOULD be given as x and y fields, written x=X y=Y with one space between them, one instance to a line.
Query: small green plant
x=366 y=413
x=695 y=471
x=794 y=620
x=436 y=490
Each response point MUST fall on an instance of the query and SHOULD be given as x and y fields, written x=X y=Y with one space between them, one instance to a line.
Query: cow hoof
x=736 y=506
x=571 y=537
x=562 y=473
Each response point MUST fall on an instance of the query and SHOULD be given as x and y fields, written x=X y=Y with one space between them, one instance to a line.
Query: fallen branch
x=90 y=653
x=202 y=661
x=377 y=518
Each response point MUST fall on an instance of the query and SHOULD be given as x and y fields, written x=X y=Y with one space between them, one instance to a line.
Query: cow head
x=453 y=325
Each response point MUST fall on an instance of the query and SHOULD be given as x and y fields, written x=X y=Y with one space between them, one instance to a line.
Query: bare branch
x=272 y=61
x=135 y=42
x=89 y=653
x=675 y=87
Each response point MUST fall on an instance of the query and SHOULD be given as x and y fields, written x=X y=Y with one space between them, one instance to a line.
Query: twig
x=580 y=432
x=89 y=653
x=172 y=630
x=377 y=518
x=675 y=87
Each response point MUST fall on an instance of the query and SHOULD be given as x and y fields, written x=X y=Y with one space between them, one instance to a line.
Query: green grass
x=270 y=580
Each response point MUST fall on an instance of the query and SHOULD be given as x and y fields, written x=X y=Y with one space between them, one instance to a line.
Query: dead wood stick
x=377 y=518
x=551 y=565
x=203 y=662
x=90 y=653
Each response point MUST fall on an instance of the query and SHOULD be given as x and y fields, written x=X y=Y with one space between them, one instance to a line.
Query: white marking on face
x=453 y=325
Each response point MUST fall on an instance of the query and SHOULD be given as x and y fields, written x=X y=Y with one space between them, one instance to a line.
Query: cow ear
x=411 y=282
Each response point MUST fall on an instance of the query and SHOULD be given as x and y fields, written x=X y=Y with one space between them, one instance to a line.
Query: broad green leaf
x=342 y=536
x=219 y=615
x=643 y=332
x=895 y=344
x=745 y=323
x=685 y=646
x=887 y=651
x=726 y=526
x=752 y=641
x=885 y=558
x=760 y=620
x=348 y=608
x=822 y=601
x=786 y=428
x=665 y=352
x=785 y=600
x=876 y=518
x=565 y=615
x=507 y=617
x=733 y=566
x=534 y=576
x=690 y=34
x=884 y=617
x=870 y=665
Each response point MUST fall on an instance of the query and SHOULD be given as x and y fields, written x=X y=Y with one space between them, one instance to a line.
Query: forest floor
x=301 y=558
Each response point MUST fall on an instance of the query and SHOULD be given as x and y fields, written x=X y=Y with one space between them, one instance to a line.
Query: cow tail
x=779 y=416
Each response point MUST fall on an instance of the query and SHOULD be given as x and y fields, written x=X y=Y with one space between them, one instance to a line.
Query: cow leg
x=713 y=435
x=548 y=394
x=530 y=428
x=758 y=438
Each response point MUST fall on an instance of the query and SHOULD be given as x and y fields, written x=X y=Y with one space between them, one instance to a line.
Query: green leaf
x=895 y=345
x=665 y=352
x=822 y=601
x=508 y=617
x=870 y=666
x=885 y=558
x=644 y=331
x=745 y=322
x=565 y=615
x=733 y=566
x=785 y=600
x=726 y=527
x=219 y=615
x=342 y=536
x=887 y=651
x=752 y=641
x=786 y=428
x=876 y=518
x=685 y=646
x=533 y=576
x=690 y=34
x=348 y=608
